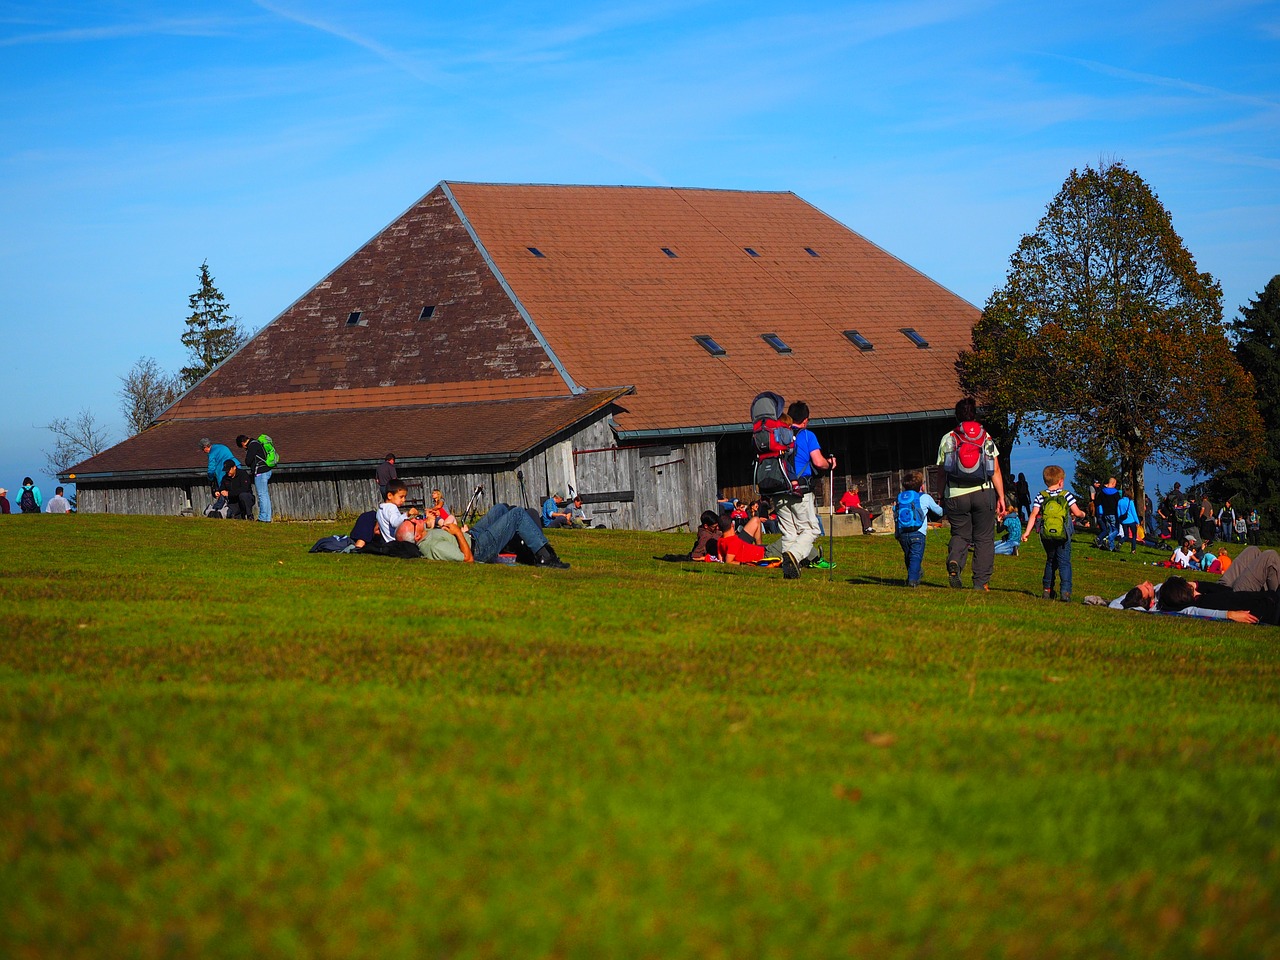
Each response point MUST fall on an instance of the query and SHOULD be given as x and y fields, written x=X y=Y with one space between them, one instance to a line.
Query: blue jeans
x=264 y=498
x=912 y=553
x=496 y=528
x=1110 y=527
x=1005 y=548
x=1057 y=560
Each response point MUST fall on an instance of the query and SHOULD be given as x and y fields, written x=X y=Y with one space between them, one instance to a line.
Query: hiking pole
x=466 y=514
x=831 y=523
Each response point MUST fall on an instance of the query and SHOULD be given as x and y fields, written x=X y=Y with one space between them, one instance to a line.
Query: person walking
x=798 y=513
x=974 y=494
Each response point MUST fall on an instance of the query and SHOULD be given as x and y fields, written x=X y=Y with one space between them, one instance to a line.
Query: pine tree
x=212 y=333
x=1258 y=350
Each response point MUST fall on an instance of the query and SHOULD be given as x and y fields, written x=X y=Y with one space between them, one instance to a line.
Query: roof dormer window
x=775 y=341
x=536 y=252
x=858 y=340
x=709 y=345
x=915 y=338
x=353 y=319
x=670 y=253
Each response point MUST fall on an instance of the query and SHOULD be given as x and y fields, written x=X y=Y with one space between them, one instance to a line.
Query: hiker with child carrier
x=787 y=456
x=974 y=495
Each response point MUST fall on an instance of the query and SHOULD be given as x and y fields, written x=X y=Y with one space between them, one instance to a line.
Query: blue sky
x=274 y=138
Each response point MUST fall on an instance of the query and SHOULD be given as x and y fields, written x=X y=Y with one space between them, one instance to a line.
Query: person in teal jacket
x=28 y=485
x=219 y=453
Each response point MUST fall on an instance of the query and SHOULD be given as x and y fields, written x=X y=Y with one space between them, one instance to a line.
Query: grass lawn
x=213 y=743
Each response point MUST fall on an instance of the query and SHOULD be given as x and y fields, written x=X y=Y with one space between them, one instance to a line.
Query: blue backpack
x=909 y=515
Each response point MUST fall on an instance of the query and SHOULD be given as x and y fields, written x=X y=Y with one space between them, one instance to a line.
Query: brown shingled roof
x=492 y=431
x=617 y=309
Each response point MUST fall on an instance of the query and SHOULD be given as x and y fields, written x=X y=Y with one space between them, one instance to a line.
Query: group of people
x=557 y=512
x=30 y=500
x=435 y=533
x=238 y=488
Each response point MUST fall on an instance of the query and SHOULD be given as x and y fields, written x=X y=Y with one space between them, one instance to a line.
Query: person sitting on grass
x=732 y=549
x=1186 y=557
x=1007 y=546
x=554 y=512
x=503 y=526
x=389 y=515
x=704 y=548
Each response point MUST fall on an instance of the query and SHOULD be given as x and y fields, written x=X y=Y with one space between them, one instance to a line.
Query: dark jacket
x=255 y=457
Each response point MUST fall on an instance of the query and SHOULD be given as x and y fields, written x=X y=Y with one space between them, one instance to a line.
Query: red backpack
x=774 y=443
x=967 y=460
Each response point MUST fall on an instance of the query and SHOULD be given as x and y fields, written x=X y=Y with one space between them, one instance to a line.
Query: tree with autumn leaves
x=1106 y=336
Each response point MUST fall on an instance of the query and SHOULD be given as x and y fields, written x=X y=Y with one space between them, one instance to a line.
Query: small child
x=911 y=521
x=1058 y=506
x=389 y=515
x=441 y=511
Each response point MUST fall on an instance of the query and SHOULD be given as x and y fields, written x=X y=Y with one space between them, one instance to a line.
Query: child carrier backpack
x=967 y=460
x=1182 y=511
x=269 y=451
x=909 y=514
x=774 y=443
x=1055 y=518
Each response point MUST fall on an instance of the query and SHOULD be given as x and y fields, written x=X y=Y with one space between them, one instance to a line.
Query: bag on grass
x=1055 y=518
x=335 y=544
x=218 y=509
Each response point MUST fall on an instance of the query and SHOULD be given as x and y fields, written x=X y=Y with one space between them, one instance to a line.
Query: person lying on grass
x=733 y=549
x=1145 y=598
x=492 y=533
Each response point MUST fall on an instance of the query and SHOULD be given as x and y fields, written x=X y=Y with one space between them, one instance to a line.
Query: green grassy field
x=213 y=743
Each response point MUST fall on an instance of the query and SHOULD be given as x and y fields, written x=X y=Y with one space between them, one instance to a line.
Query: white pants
x=798 y=524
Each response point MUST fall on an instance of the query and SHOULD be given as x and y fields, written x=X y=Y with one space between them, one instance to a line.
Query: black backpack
x=27 y=502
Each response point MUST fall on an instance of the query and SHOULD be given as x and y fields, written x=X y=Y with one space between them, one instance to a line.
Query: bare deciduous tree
x=145 y=391
x=75 y=439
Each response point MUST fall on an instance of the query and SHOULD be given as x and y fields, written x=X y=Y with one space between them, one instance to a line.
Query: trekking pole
x=831 y=524
x=475 y=494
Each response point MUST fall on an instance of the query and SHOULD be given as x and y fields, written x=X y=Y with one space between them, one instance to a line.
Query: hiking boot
x=790 y=569
x=953 y=575
x=546 y=557
x=1065 y=598
x=1048 y=594
x=984 y=588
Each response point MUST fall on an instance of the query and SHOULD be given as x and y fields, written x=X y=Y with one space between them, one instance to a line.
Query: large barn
x=607 y=340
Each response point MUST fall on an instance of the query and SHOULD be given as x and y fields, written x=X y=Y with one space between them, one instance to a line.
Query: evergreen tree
x=1258 y=350
x=212 y=333
x=1106 y=334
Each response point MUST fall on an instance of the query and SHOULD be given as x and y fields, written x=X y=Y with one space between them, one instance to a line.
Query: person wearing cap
x=4 y=501
x=554 y=513
x=218 y=453
x=1186 y=557
x=238 y=489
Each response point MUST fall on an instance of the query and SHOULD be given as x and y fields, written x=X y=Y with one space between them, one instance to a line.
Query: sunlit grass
x=213 y=743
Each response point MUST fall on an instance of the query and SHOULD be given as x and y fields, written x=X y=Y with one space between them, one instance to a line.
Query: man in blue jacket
x=219 y=453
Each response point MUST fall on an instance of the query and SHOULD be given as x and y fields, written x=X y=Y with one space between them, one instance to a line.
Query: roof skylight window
x=709 y=345
x=810 y=251
x=750 y=252
x=354 y=319
x=536 y=252
x=858 y=340
x=670 y=253
x=775 y=341
x=427 y=311
x=915 y=338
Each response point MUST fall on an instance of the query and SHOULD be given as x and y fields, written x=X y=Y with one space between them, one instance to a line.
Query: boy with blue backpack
x=910 y=521
x=1054 y=507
